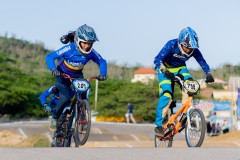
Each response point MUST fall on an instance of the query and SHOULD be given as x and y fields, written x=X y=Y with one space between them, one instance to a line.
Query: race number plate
x=81 y=85
x=191 y=86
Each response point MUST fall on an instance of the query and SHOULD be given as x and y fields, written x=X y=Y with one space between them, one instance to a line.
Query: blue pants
x=166 y=90
x=63 y=86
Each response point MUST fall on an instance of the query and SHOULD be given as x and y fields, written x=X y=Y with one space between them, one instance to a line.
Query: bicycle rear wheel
x=195 y=131
x=82 y=123
x=163 y=142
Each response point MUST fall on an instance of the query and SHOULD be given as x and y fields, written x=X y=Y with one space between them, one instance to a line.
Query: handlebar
x=64 y=75
x=177 y=78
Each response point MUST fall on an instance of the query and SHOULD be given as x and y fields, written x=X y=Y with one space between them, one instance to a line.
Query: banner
x=205 y=106
x=222 y=106
x=238 y=104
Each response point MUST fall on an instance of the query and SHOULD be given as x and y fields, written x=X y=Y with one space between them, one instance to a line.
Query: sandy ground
x=9 y=138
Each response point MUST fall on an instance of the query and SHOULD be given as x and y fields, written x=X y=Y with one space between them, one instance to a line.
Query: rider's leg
x=165 y=92
x=186 y=75
x=63 y=86
x=63 y=99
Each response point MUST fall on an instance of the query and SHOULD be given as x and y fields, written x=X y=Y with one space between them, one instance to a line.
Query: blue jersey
x=130 y=108
x=71 y=62
x=48 y=92
x=171 y=57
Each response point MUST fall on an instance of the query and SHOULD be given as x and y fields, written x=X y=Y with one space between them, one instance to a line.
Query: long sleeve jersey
x=171 y=56
x=71 y=62
x=48 y=92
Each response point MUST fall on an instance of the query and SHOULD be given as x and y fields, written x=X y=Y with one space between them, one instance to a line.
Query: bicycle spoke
x=195 y=132
x=83 y=122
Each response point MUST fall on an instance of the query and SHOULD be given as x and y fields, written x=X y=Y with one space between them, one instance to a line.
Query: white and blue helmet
x=188 y=38
x=84 y=34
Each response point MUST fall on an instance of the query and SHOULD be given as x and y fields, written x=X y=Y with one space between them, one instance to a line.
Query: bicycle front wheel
x=195 y=131
x=82 y=122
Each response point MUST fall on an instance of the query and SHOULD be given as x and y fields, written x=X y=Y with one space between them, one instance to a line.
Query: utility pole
x=96 y=94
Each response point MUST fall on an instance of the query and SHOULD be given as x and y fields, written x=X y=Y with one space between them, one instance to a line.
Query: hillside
x=24 y=76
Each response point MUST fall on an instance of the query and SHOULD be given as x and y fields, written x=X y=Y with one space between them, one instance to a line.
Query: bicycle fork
x=195 y=118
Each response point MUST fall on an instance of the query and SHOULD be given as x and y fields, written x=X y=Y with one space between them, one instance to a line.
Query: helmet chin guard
x=184 y=53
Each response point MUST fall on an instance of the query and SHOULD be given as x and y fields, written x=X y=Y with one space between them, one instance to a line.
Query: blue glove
x=156 y=68
x=47 y=108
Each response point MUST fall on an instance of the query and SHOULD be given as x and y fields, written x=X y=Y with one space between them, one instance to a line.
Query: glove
x=169 y=74
x=47 y=108
x=56 y=73
x=101 y=77
x=209 y=78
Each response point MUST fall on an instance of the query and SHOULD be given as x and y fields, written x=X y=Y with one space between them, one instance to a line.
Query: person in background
x=129 y=113
x=225 y=126
x=209 y=128
x=171 y=61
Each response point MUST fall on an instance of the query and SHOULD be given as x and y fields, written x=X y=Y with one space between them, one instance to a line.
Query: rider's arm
x=44 y=95
x=201 y=61
x=96 y=57
x=50 y=58
x=158 y=60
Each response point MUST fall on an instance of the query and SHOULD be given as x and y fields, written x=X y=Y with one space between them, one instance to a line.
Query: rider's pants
x=165 y=90
x=63 y=86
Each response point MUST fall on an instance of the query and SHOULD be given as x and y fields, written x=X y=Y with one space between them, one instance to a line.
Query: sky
x=130 y=32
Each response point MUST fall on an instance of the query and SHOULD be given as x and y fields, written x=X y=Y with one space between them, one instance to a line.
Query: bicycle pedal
x=84 y=122
x=167 y=131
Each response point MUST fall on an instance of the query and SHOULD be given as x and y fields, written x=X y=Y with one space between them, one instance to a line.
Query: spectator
x=225 y=127
x=218 y=129
x=129 y=113
x=209 y=128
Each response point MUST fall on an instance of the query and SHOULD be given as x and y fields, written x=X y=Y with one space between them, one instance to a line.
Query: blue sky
x=130 y=31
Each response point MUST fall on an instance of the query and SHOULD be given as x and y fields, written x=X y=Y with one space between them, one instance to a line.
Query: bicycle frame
x=183 y=110
x=73 y=110
x=191 y=119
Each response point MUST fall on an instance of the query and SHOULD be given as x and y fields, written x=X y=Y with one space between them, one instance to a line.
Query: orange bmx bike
x=187 y=117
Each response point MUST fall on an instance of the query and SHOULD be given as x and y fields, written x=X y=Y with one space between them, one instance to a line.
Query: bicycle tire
x=163 y=143
x=60 y=142
x=197 y=130
x=82 y=122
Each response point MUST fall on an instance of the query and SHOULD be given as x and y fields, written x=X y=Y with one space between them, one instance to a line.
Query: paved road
x=120 y=154
x=111 y=134
x=102 y=134
x=114 y=141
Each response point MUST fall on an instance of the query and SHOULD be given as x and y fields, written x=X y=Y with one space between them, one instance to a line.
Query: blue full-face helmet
x=84 y=34
x=188 y=38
